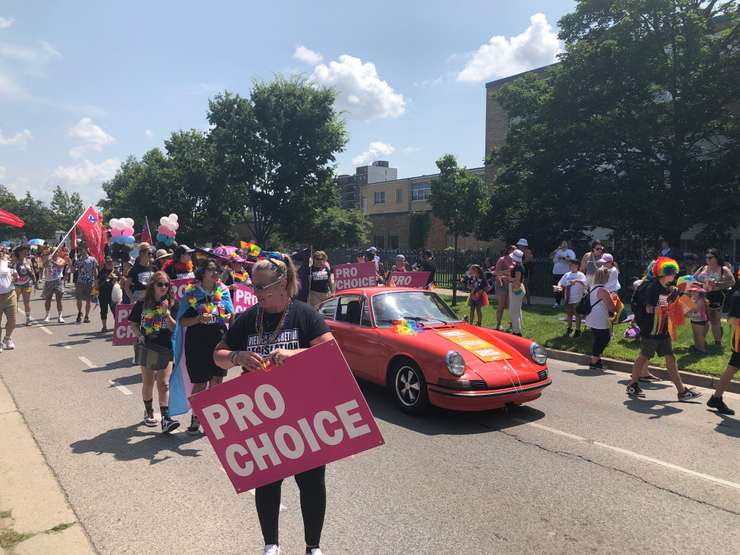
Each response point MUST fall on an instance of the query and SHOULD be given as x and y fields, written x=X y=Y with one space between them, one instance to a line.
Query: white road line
x=46 y=330
x=122 y=388
x=86 y=362
x=67 y=347
x=634 y=455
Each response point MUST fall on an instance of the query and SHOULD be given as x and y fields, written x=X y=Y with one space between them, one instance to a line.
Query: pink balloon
x=116 y=232
x=128 y=231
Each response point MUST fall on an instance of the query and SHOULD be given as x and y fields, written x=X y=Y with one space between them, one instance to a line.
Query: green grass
x=541 y=324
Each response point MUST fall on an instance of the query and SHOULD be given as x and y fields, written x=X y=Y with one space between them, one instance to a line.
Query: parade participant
x=574 y=285
x=182 y=265
x=270 y=332
x=516 y=291
x=86 y=268
x=426 y=265
x=590 y=260
x=139 y=275
x=163 y=259
x=560 y=257
x=400 y=264
x=478 y=298
x=652 y=317
x=717 y=280
x=235 y=274
x=54 y=281
x=204 y=312
x=25 y=279
x=502 y=277
x=107 y=278
x=733 y=366
x=321 y=280
x=152 y=323
x=8 y=300
x=598 y=320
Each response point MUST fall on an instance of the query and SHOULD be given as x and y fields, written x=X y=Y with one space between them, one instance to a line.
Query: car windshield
x=422 y=306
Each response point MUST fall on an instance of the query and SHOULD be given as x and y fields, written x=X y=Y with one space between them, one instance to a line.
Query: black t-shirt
x=203 y=336
x=427 y=266
x=139 y=275
x=302 y=325
x=658 y=297
x=320 y=279
x=163 y=337
x=735 y=313
x=518 y=268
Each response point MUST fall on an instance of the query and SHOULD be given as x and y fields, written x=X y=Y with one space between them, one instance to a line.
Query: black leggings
x=601 y=340
x=313 y=506
x=105 y=302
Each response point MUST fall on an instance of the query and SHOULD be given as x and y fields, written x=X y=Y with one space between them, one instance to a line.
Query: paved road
x=583 y=469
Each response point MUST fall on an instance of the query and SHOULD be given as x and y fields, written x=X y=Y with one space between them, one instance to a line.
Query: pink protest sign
x=243 y=297
x=265 y=426
x=179 y=285
x=348 y=276
x=122 y=332
x=408 y=279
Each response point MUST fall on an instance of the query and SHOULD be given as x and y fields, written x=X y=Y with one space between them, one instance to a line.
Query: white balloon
x=164 y=220
x=129 y=222
x=113 y=223
x=173 y=217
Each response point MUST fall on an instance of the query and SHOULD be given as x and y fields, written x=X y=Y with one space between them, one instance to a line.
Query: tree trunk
x=454 y=274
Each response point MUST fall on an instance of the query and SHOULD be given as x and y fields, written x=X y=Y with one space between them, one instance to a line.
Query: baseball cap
x=522 y=243
x=372 y=249
x=182 y=249
x=606 y=258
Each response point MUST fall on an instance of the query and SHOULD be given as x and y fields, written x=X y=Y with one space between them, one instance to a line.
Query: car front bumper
x=485 y=399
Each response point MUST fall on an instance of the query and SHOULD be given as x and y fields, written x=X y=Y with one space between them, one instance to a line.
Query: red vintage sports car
x=411 y=341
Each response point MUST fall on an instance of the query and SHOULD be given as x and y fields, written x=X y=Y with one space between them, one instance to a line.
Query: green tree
x=40 y=220
x=66 y=207
x=335 y=227
x=419 y=225
x=636 y=129
x=458 y=199
x=275 y=151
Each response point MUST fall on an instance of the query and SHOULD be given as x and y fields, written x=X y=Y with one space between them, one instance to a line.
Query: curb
x=690 y=378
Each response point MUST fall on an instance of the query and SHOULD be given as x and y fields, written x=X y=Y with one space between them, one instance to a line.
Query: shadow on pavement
x=136 y=442
x=729 y=426
x=648 y=386
x=113 y=365
x=70 y=343
x=443 y=422
x=588 y=373
x=656 y=409
x=133 y=379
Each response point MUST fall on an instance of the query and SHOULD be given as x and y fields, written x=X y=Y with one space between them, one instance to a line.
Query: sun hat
x=517 y=255
x=522 y=242
x=162 y=253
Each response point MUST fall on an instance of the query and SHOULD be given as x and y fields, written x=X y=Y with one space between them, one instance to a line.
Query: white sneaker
x=60 y=319
x=8 y=344
x=316 y=551
x=29 y=321
x=271 y=549
x=46 y=319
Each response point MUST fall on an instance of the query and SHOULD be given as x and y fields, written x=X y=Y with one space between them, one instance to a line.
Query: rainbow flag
x=405 y=327
x=251 y=248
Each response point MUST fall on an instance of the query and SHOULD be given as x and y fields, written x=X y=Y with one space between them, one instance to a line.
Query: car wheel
x=409 y=387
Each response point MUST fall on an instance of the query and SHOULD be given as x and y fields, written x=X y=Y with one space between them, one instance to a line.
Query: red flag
x=11 y=219
x=146 y=234
x=90 y=227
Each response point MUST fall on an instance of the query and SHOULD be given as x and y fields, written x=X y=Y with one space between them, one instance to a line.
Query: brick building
x=349 y=185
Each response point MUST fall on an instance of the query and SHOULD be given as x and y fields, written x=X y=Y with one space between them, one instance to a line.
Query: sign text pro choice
x=349 y=276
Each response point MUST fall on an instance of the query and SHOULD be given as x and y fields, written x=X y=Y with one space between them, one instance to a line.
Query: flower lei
x=181 y=268
x=209 y=306
x=153 y=319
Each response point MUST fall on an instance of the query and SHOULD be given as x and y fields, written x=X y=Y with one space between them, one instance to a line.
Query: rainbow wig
x=665 y=266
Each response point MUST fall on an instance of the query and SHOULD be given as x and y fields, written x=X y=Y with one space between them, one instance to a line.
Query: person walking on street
x=560 y=258
x=516 y=291
x=139 y=275
x=205 y=311
x=268 y=333
x=86 y=268
x=598 y=320
x=25 y=278
x=153 y=323
x=320 y=278
x=652 y=318
x=8 y=301
x=54 y=282
x=733 y=366
x=107 y=279
x=182 y=263
x=717 y=279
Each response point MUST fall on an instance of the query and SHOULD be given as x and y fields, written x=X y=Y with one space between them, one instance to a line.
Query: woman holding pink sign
x=275 y=329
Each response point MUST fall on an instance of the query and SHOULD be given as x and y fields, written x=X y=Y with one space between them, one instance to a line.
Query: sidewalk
x=35 y=517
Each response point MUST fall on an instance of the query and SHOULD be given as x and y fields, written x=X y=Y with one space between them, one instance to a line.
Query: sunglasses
x=599 y=249
x=162 y=284
x=261 y=288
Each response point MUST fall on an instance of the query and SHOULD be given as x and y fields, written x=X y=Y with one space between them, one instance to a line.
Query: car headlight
x=538 y=353
x=455 y=363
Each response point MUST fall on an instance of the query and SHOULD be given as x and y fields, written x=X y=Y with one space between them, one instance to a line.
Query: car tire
x=408 y=387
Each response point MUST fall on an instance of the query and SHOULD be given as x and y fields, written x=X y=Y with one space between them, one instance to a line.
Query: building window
x=399 y=196
x=379 y=242
x=379 y=197
x=393 y=242
x=421 y=191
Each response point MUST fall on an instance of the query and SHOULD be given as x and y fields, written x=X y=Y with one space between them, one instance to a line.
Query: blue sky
x=83 y=85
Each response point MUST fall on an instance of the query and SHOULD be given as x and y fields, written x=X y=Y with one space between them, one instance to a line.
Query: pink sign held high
x=122 y=332
x=408 y=279
x=266 y=426
x=360 y=274
x=243 y=297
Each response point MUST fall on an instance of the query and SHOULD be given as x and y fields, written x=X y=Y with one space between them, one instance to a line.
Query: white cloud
x=20 y=138
x=85 y=177
x=307 y=55
x=33 y=59
x=9 y=89
x=375 y=151
x=360 y=90
x=6 y=22
x=92 y=136
x=536 y=47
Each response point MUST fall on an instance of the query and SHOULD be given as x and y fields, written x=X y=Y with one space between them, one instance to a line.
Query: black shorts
x=649 y=346
x=735 y=360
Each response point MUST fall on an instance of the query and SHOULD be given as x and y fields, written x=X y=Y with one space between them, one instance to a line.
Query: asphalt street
x=583 y=469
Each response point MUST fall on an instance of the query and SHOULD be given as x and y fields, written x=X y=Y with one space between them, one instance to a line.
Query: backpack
x=584 y=306
x=637 y=301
